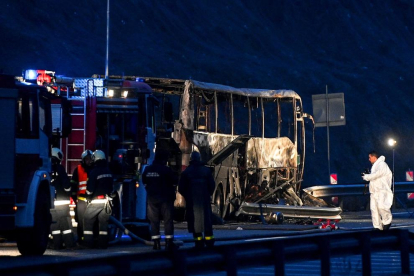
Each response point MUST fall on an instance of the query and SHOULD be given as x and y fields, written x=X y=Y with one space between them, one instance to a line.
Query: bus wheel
x=219 y=203
x=33 y=240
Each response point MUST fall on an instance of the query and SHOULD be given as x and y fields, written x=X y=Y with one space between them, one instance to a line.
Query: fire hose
x=135 y=237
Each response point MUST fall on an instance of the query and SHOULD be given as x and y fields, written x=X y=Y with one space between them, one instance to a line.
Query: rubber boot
x=169 y=245
x=386 y=227
x=157 y=244
x=209 y=240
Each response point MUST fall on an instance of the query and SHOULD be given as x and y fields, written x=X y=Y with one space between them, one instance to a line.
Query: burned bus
x=253 y=140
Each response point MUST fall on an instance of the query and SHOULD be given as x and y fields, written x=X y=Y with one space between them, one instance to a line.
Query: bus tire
x=219 y=202
x=33 y=240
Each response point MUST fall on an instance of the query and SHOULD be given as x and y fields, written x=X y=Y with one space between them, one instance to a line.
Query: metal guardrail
x=353 y=189
x=231 y=257
x=256 y=209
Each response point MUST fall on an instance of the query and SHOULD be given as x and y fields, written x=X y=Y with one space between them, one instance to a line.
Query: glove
x=365 y=177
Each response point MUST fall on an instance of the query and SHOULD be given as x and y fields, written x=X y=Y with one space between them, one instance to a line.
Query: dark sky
x=361 y=48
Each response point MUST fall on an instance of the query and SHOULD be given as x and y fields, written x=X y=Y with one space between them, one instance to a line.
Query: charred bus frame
x=253 y=140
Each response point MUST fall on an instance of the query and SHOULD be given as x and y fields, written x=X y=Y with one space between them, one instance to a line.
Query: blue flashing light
x=30 y=74
x=139 y=80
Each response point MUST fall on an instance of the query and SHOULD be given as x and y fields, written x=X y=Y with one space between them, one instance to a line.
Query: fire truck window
x=241 y=115
x=44 y=116
x=19 y=119
x=27 y=111
x=270 y=118
x=31 y=115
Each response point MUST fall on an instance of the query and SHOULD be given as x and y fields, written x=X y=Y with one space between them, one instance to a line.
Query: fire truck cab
x=26 y=131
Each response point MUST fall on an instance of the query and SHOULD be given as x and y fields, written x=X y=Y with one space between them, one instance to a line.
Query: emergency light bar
x=30 y=74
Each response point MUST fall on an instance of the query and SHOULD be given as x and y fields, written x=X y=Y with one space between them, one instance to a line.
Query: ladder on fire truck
x=83 y=116
x=75 y=143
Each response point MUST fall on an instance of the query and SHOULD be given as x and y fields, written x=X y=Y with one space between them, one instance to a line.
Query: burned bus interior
x=254 y=140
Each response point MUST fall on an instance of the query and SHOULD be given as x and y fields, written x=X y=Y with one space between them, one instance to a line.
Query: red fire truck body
x=115 y=116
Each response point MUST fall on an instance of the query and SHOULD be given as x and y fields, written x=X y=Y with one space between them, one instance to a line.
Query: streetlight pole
x=107 y=41
x=393 y=171
x=392 y=143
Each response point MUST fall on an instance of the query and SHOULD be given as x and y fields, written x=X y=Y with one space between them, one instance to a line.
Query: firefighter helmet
x=86 y=153
x=98 y=155
x=57 y=153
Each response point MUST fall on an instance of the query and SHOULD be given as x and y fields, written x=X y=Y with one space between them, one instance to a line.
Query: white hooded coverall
x=380 y=180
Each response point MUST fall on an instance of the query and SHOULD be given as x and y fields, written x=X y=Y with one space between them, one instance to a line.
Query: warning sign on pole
x=334 y=178
x=409 y=176
x=334 y=181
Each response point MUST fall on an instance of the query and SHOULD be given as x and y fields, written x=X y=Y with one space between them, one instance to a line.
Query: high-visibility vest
x=83 y=180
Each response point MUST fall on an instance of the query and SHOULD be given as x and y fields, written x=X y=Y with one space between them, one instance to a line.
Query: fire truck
x=116 y=116
x=27 y=131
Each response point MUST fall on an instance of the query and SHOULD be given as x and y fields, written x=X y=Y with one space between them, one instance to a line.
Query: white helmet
x=98 y=155
x=57 y=153
x=86 y=153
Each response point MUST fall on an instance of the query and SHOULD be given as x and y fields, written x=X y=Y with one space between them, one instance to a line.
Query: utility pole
x=327 y=134
x=107 y=40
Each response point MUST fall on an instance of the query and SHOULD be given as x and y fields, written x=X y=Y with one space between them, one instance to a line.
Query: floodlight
x=391 y=142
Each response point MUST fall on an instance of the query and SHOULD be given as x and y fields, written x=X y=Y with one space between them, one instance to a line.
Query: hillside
x=361 y=48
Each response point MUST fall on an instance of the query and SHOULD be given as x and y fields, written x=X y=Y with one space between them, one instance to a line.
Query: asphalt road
x=224 y=234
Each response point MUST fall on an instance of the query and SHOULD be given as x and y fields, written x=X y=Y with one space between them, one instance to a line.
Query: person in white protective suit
x=380 y=180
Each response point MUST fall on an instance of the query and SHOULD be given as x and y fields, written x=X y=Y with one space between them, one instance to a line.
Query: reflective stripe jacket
x=100 y=181
x=160 y=182
x=60 y=181
x=79 y=180
x=82 y=179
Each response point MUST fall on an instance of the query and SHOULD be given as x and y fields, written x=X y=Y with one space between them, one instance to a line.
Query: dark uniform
x=99 y=187
x=160 y=182
x=61 y=228
x=197 y=185
x=79 y=180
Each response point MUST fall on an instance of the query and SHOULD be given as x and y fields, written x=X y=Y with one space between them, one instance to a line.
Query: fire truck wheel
x=219 y=202
x=33 y=241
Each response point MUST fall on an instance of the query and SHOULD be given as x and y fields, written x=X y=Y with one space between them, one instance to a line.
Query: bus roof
x=177 y=86
x=249 y=92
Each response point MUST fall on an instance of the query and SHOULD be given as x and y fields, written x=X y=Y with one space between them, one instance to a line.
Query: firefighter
x=99 y=191
x=160 y=182
x=197 y=185
x=79 y=180
x=61 y=228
